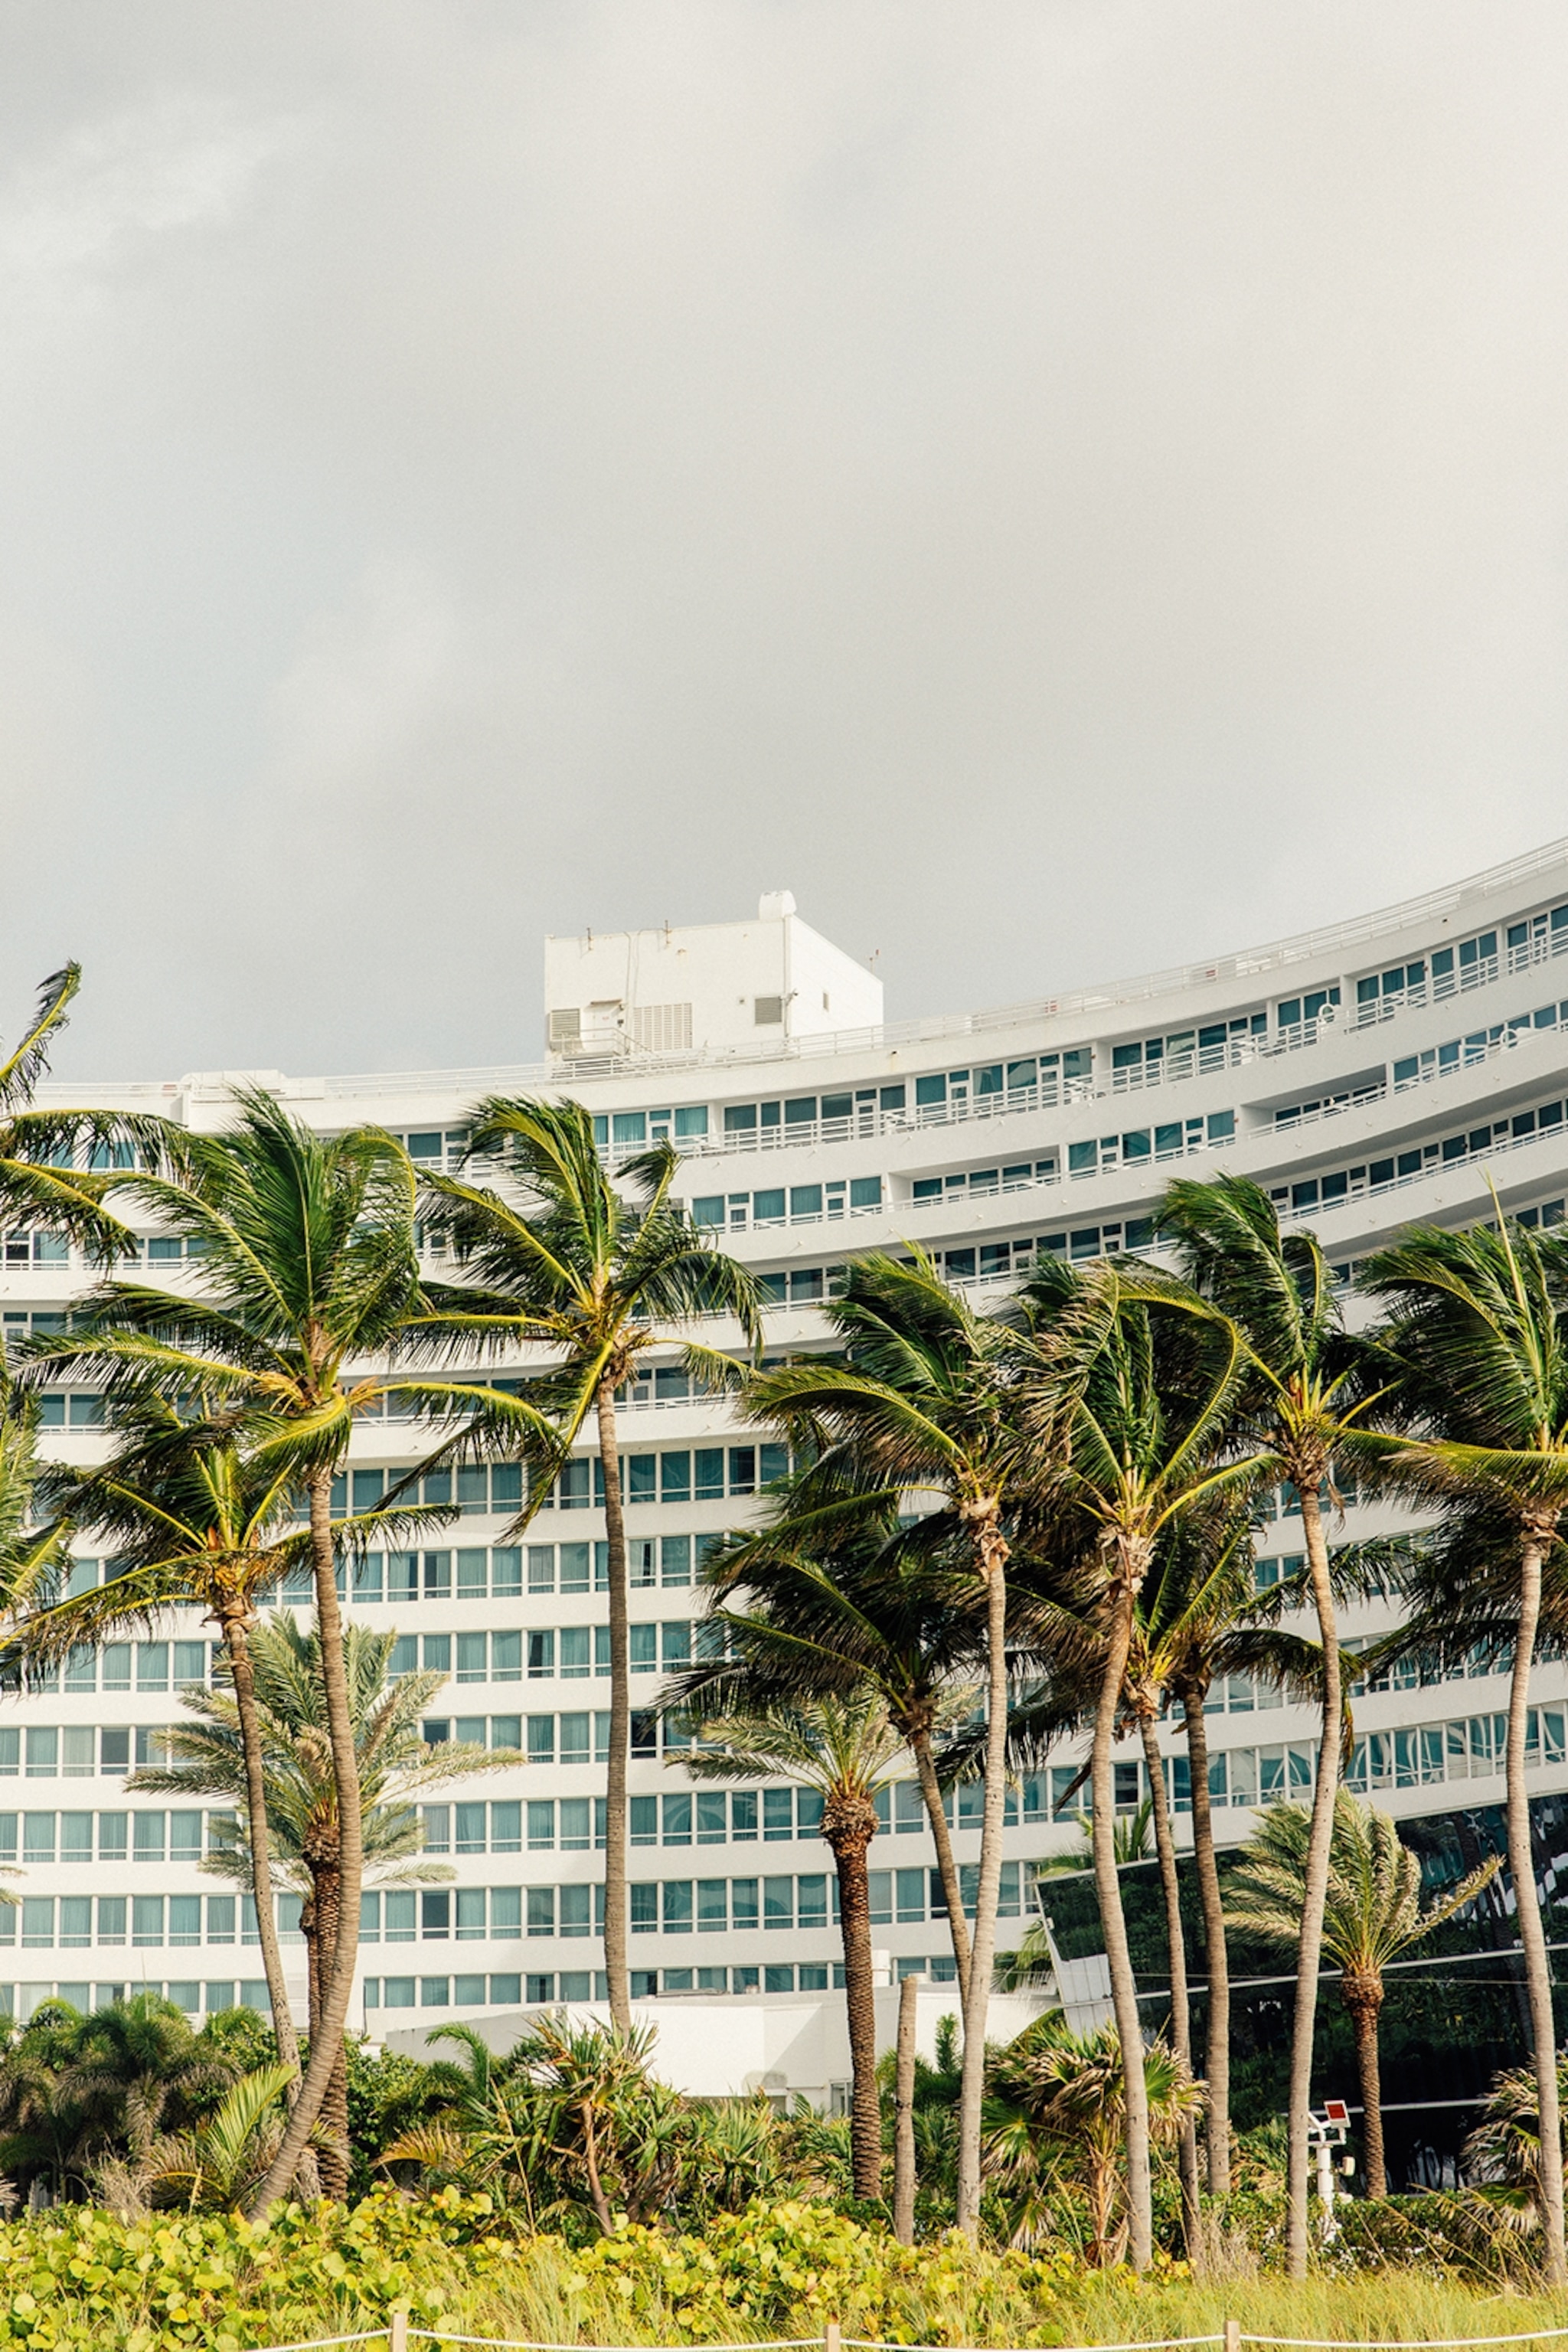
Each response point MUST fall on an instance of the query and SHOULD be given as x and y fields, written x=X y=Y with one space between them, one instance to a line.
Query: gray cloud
x=1062 y=487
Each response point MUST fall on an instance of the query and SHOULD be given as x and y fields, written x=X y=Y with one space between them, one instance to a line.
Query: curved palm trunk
x=982 y=1949
x=1315 y=1885
x=333 y=2156
x=1123 y=1989
x=239 y=1667
x=850 y=1843
x=1217 y=2055
x=615 y=1830
x=326 y=2047
x=1362 y=1996
x=1180 y=2006
x=947 y=1868
x=1527 y=1904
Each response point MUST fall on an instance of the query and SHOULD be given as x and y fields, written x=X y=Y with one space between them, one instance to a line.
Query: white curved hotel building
x=1382 y=1071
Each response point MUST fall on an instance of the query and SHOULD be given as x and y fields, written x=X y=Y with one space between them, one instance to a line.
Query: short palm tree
x=596 y=1274
x=211 y=2167
x=307 y=1268
x=299 y=1790
x=192 y=1524
x=1304 y=1399
x=1130 y=1398
x=1504 y=2149
x=1477 y=1328
x=1055 y=2106
x=1373 y=1914
x=922 y=1398
x=844 y=1749
x=831 y=1597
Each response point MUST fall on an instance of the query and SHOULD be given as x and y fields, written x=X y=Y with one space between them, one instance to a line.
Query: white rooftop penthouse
x=711 y=988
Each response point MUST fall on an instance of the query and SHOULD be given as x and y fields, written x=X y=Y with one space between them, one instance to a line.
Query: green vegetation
x=1007 y=1533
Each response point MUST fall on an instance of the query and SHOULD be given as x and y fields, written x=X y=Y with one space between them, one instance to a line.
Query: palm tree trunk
x=1362 y=1996
x=904 y=2114
x=1315 y=1885
x=1217 y=2055
x=615 y=1831
x=1123 y=1989
x=239 y=1667
x=1527 y=1904
x=947 y=1868
x=983 y=1950
x=850 y=1847
x=333 y=2159
x=326 y=2047
x=1180 y=2006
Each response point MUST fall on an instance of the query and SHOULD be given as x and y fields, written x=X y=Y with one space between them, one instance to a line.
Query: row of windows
x=75 y=1751
x=1473 y=962
x=1325 y=1106
x=1460 y=1052
x=1474 y=1748
x=1174 y=1054
x=1399 y=1167
x=536 y=1987
x=555 y=1653
x=796 y=1204
x=985 y=1180
x=701 y=1474
x=1139 y=1145
x=72 y=1922
x=38 y=1838
x=194 y=1998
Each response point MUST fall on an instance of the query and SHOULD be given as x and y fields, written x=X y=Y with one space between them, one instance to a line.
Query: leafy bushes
x=75 y=2279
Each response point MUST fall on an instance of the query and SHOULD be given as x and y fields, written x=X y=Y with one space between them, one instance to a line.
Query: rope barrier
x=399 y=2335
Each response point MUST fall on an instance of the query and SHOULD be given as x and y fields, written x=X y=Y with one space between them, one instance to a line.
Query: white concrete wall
x=788 y=2045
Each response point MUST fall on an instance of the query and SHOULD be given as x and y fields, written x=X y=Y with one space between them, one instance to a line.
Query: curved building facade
x=1388 y=1070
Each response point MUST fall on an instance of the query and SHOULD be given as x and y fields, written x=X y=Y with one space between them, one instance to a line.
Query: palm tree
x=40 y=1180
x=299 y=1813
x=838 y=1599
x=1504 y=2149
x=573 y=1265
x=1129 y=1399
x=307 y=1265
x=1199 y=1617
x=210 y=2167
x=1303 y=1398
x=192 y=1524
x=1478 y=1325
x=1373 y=1914
x=1056 y=2100
x=923 y=1398
x=842 y=1747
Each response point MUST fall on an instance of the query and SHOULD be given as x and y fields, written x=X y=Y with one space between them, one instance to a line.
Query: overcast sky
x=1064 y=488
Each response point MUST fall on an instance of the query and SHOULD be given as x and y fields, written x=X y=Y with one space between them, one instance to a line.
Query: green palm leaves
x=565 y=1261
x=1372 y=1913
x=1477 y=1335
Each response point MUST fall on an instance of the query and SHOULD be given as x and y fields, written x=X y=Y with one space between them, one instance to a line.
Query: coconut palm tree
x=1130 y=1398
x=1304 y=1398
x=57 y=1166
x=832 y=1596
x=1477 y=1325
x=844 y=1749
x=596 y=1274
x=1055 y=2108
x=208 y=1757
x=306 y=1269
x=191 y=1523
x=1373 y=1914
x=922 y=1398
x=1504 y=2149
